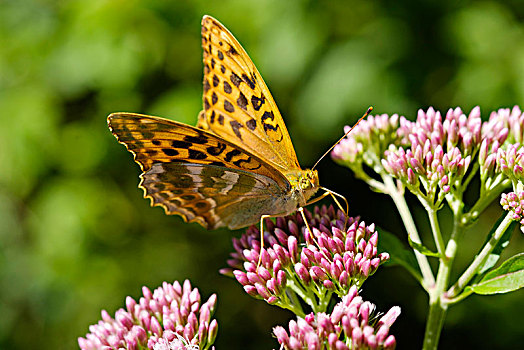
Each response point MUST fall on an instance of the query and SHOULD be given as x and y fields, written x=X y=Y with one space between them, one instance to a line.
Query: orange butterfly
x=238 y=166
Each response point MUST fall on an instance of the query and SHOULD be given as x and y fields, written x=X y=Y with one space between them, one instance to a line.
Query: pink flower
x=171 y=317
x=349 y=326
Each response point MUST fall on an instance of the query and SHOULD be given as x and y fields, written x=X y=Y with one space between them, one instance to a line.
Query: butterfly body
x=238 y=164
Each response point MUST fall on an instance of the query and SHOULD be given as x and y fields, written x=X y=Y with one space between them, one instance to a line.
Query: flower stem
x=437 y=313
x=435 y=229
x=480 y=259
x=398 y=198
x=437 y=305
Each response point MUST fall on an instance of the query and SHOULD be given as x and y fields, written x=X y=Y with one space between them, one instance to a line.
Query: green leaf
x=422 y=248
x=399 y=255
x=506 y=278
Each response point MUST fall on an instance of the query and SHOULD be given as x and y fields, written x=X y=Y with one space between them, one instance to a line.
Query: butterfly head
x=307 y=183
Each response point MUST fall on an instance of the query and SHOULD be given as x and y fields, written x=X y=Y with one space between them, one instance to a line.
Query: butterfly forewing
x=158 y=140
x=237 y=103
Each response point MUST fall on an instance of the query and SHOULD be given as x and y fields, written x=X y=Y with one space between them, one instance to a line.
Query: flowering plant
x=296 y=267
x=437 y=158
x=316 y=269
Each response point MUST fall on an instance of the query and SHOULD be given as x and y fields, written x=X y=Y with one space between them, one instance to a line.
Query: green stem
x=437 y=313
x=297 y=308
x=437 y=303
x=428 y=279
x=307 y=296
x=435 y=229
x=480 y=259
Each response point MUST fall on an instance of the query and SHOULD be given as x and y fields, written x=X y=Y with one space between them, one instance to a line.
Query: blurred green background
x=76 y=236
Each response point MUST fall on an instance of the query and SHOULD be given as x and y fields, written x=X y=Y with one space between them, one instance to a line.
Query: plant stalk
x=398 y=198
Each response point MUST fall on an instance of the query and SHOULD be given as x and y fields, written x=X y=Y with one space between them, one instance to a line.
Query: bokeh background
x=76 y=236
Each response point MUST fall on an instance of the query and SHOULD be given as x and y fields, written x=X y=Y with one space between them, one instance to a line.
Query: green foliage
x=399 y=254
x=508 y=277
x=76 y=235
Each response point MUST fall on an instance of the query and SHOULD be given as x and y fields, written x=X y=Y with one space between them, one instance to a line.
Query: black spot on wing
x=180 y=144
x=200 y=139
x=213 y=63
x=257 y=102
x=236 y=128
x=222 y=68
x=159 y=186
x=203 y=206
x=156 y=142
x=220 y=119
x=231 y=154
x=248 y=81
x=235 y=79
x=214 y=98
x=232 y=51
x=215 y=151
x=228 y=106
x=251 y=124
x=216 y=81
x=165 y=195
x=196 y=154
x=267 y=115
x=227 y=87
x=268 y=126
x=239 y=162
x=242 y=101
x=206 y=86
x=220 y=55
x=170 y=152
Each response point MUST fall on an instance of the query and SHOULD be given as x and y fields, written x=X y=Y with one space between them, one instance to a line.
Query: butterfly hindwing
x=237 y=103
x=213 y=196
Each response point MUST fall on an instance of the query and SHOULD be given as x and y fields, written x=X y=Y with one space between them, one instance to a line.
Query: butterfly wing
x=198 y=175
x=237 y=103
x=214 y=196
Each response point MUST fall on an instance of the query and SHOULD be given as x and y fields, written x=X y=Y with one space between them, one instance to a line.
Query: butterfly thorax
x=304 y=184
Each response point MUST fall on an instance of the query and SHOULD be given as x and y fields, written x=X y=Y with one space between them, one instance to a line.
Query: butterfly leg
x=301 y=210
x=262 y=218
x=333 y=195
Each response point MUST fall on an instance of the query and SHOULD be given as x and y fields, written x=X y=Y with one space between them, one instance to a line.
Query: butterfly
x=238 y=165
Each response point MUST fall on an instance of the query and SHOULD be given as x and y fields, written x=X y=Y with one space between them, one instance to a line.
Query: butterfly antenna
x=346 y=134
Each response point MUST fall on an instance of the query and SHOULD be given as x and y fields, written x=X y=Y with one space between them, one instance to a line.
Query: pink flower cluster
x=171 y=317
x=332 y=259
x=514 y=203
x=436 y=155
x=349 y=326
x=510 y=162
x=440 y=152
